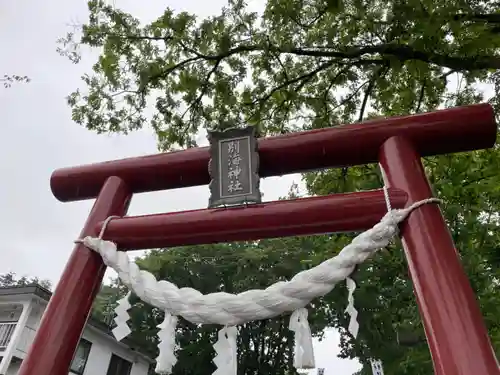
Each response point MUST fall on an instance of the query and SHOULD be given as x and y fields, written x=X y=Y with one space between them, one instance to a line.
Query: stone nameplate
x=233 y=167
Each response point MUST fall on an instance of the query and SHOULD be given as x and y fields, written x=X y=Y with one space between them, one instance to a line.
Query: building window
x=81 y=356
x=119 y=366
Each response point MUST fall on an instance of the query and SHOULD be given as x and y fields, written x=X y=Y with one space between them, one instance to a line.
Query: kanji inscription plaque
x=233 y=167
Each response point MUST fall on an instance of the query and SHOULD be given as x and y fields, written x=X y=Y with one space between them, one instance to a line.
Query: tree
x=106 y=301
x=305 y=64
x=9 y=280
x=301 y=64
x=8 y=80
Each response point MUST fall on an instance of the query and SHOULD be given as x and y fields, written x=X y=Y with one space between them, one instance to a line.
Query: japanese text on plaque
x=234 y=169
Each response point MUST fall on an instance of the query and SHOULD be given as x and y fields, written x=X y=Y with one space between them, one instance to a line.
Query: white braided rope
x=233 y=309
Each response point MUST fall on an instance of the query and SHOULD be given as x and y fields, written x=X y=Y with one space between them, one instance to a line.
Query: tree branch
x=307 y=26
x=421 y=97
x=382 y=51
x=376 y=75
x=302 y=77
x=488 y=18
x=406 y=52
x=402 y=52
x=204 y=88
x=353 y=94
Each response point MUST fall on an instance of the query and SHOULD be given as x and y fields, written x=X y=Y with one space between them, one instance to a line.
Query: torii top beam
x=452 y=130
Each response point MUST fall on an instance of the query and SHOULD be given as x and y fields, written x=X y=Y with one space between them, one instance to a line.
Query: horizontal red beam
x=333 y=213
x=452 y=130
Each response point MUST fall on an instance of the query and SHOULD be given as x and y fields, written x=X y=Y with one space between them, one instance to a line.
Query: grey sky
x=38 y=136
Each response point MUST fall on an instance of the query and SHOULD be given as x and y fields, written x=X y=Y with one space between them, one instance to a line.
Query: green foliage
x=300 y=64
x=9 y=80
x=106 y=301
x=9 y=280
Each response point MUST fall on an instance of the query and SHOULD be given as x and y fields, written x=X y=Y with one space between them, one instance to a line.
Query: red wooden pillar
x=453 y=323
x=63 y=321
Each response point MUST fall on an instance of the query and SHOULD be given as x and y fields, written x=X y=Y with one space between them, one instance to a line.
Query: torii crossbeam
x=454 y=327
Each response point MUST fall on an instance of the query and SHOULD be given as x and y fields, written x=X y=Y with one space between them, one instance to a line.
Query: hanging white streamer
x=351 y=310
x=227 y=354
x=122 y=329
x=166 y=358
x=304 y=354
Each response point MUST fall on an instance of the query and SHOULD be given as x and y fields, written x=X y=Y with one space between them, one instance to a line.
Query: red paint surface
x=455 y=330
x=452 y=130
x=333 y=213
x=66 y=314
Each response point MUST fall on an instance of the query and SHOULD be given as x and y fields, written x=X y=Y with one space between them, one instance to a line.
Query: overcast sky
x=38 y=136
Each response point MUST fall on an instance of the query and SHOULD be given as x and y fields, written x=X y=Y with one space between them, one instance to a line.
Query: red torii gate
x=454 y=327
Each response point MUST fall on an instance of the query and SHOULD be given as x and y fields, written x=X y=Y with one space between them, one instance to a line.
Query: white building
x=98 y=353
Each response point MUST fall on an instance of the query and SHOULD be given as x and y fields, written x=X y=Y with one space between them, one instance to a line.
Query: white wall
x=100 y=355
x=101 y=350
x=29 y=331
x=36 y=315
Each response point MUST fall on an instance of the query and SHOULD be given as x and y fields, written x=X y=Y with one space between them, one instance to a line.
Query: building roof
x=45 y=294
